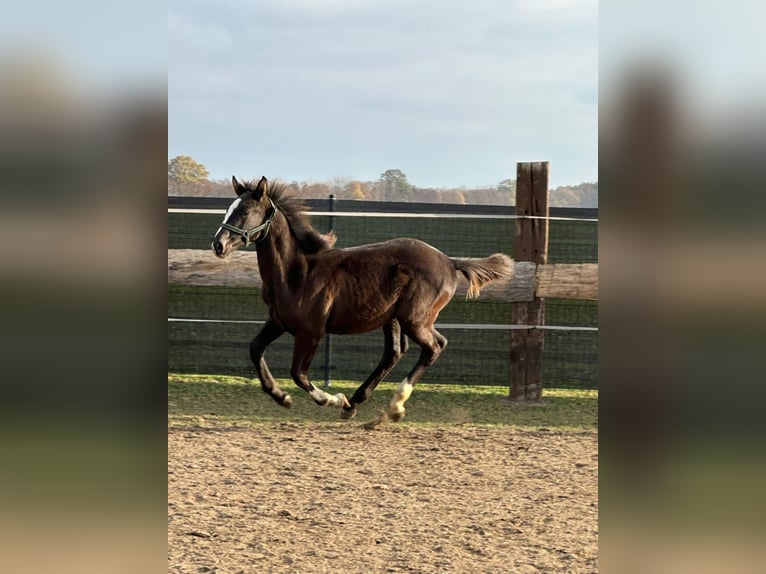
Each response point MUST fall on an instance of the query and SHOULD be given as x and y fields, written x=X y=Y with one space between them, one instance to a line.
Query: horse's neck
x=278 y=255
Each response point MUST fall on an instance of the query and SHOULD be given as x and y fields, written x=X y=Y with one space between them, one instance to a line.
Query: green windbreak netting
x=479 y=348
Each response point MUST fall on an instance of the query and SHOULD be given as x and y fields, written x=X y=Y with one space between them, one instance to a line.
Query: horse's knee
x=256 y=350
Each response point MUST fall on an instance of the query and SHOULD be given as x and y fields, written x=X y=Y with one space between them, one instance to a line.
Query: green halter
x=263 y=226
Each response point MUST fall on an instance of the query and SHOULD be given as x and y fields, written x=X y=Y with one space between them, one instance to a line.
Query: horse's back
x=370 y=282
x=420 y=257
x=401 y=248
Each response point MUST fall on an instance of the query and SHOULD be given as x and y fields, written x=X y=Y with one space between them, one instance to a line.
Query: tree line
x=191 y=178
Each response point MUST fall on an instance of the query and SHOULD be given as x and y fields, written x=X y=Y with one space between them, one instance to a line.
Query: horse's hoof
x=395 y=417
x=382 y=418
x=347 y=414
x=287 y=402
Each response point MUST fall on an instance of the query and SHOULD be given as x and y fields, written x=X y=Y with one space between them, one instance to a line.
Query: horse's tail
x=479 y=272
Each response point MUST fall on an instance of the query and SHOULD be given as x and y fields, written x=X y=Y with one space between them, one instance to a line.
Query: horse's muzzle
x=217 y=247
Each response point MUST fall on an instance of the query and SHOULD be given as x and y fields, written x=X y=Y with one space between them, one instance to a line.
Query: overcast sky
x=452 y=93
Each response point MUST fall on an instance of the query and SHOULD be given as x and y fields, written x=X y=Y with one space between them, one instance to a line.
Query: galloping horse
x=311 y=289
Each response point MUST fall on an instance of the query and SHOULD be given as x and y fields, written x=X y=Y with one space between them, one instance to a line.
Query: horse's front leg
x=303 y=353
x=268 y=334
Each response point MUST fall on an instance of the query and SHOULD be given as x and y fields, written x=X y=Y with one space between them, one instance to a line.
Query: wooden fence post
x=530 y=244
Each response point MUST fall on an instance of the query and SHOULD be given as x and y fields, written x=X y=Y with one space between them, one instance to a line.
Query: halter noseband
x=265 y=226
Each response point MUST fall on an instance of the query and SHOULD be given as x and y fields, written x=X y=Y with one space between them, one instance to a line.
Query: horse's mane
x=294 y=209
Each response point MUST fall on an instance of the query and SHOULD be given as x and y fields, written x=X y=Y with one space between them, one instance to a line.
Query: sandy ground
x=202 y=267
x=309 y=498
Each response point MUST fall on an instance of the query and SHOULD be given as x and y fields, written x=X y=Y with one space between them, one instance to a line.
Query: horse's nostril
x=217 y=247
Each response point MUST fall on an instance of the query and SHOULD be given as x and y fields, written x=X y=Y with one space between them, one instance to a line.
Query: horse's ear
x=238 y=187
x=263 y=187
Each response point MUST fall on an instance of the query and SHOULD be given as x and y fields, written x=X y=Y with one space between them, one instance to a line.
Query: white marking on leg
x=319 y=396
x=339 y=401
x=328 y=400
x=402 y=393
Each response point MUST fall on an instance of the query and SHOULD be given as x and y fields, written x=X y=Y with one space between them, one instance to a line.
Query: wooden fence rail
x=529 y=280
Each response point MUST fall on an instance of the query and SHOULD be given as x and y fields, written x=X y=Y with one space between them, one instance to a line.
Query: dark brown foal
x=312 y=289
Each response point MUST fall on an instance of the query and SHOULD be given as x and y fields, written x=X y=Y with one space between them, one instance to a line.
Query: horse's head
x=247 y=220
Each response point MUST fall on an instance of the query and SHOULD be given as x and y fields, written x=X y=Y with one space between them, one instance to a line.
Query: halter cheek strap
x=246 y=234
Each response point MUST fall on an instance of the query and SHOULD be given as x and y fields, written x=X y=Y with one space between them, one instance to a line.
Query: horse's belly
x=347 y=319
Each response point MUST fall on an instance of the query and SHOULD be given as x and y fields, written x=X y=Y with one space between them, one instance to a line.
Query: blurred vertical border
x=682 y=241
x=83 y=142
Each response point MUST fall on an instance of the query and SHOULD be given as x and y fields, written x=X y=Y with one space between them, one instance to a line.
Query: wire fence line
x=417 y=215
x=210 y=327
x=482 y=326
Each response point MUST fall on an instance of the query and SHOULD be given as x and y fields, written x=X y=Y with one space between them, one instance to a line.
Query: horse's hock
x=529 y=280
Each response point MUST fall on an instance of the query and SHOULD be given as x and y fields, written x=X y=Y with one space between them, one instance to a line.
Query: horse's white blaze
x=229 y=212
x=402 y=393
x=231 y=209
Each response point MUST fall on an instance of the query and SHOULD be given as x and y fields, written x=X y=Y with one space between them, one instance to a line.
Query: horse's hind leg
x=268 y=334
x=392 y=352
x=441 y=340
x=432 y=343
